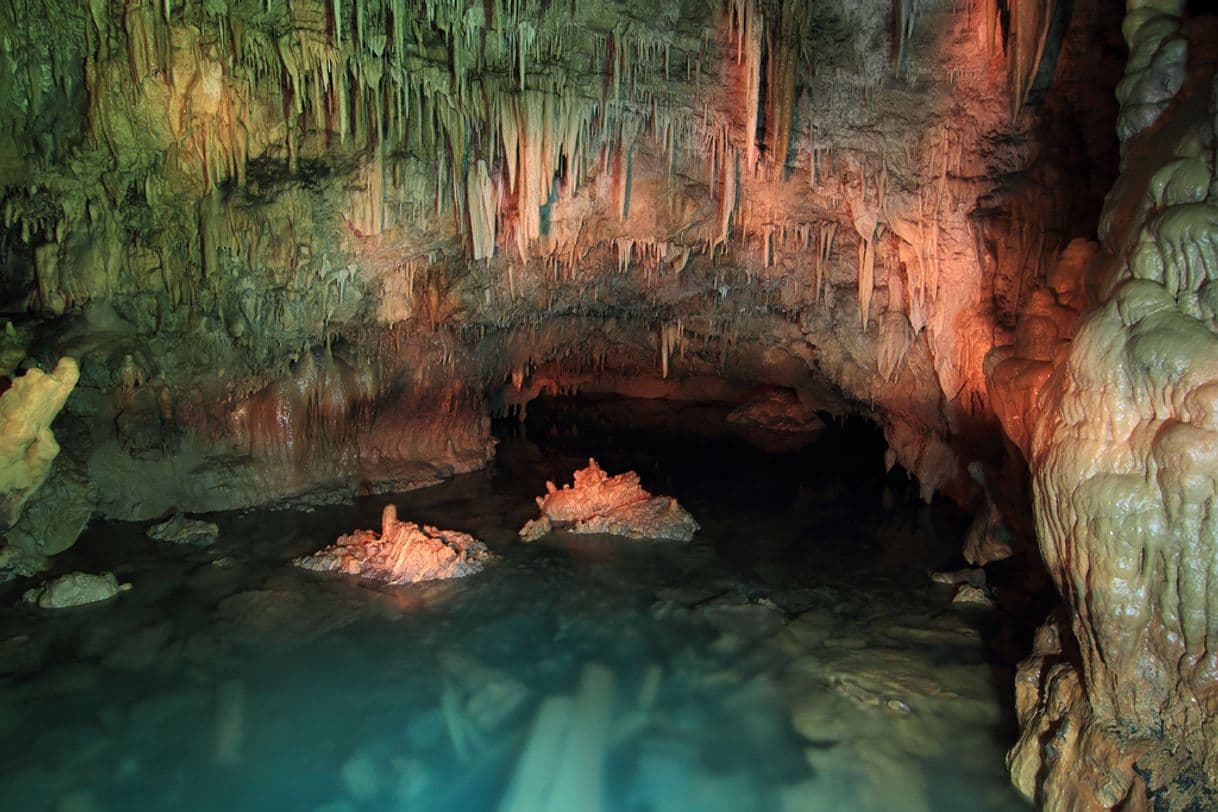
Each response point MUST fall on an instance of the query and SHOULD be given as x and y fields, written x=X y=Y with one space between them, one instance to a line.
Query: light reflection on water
x=793 y=657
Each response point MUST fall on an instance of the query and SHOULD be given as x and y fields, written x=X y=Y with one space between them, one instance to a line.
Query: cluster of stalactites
x=1026 y=35
x=507 y=101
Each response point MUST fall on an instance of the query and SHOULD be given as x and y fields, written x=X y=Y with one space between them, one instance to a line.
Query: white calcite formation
x=616 y=505
x=402 y=553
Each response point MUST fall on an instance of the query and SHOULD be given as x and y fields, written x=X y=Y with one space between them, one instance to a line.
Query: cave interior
x=816 y=392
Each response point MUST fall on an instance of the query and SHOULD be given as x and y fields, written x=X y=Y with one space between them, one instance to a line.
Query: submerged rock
x=618 y=505
x=181 y=530
x=777 y=410
x=75 y=589
x=402 y=553
x=973 y=576
x=974 y=596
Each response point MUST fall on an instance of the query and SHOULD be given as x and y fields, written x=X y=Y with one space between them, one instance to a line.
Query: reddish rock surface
x=402 y=553
x=617 y=505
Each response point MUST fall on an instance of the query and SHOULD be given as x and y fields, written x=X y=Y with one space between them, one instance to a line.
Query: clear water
x=793 y=657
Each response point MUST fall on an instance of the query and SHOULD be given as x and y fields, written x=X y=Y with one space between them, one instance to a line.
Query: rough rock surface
x=75 y=589
x=1117 y=700
x=777 y=410
x=402 y=553
x=616 y=505
x=973 y=596
x=53 y=518
x=278 y=281
x=27 y=445
x=182 y=530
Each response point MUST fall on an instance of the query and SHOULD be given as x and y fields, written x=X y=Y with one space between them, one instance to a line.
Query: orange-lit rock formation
x=616 y=505
x=402 y=553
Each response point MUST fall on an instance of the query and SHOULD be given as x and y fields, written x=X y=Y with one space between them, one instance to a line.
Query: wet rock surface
x=402 y=553
x=613 y=505
x=27 y=445
x=1120 y=429
x=75 y=589
x=179 y=529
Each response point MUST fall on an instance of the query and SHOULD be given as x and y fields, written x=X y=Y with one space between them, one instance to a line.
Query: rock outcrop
x=402 y=553
x=27 y=445
x=617 y=505
x=777 y=410
x=179 y=529
x=75 y=589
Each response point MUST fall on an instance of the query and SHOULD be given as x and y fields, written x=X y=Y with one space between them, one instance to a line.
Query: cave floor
x=794 y=656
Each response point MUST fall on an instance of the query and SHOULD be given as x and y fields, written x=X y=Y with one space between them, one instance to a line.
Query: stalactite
x=907 y=16
x=482 y=210
x=782 y=44
x=751 y=42
x=1029 y=32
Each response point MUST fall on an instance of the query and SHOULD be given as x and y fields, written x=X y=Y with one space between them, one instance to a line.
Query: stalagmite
x=1029 y=31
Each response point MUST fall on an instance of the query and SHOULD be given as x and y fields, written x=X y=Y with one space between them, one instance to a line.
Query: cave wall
x=306 y=248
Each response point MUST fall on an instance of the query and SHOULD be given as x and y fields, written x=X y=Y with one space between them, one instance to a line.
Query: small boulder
x=181 y=530
x=75 y=589
x=973 y=596
x=536 y=528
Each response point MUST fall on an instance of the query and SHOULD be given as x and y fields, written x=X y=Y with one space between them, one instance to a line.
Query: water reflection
x=793 y=657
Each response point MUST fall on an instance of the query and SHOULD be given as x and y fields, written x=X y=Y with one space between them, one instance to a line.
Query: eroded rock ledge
x=616 y=505
x=402 y=553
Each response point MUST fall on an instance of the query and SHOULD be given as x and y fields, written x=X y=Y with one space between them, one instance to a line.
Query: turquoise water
x=793 y=657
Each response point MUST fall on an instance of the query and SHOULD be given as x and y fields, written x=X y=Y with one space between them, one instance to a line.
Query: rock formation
x=307 y=248
x=179 y=529
x=27 y=445
x=301 y=250
x=46 y=499
x=75 y=589
x=616 y=505
x=402 y=553
x=1116 y=700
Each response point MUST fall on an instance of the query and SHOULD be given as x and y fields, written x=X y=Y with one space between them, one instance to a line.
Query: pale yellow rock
x=27 y=445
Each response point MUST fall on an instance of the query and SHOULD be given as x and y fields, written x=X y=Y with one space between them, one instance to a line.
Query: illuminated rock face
x=402 y=553
x=1117 y=701
x=300 y=246
x=27 y=445
x=616 y=505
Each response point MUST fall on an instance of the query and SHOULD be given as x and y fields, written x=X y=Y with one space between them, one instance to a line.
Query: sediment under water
x=794 y=656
